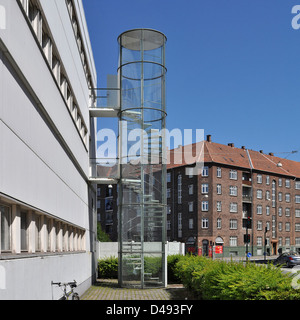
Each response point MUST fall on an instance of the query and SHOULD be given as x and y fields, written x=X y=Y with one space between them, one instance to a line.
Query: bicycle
x=72 y=285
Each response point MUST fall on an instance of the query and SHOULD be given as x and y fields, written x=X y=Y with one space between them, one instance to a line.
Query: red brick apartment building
x=212 y=209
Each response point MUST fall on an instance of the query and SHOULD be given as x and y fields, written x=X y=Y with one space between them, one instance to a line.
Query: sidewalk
x=106 y=289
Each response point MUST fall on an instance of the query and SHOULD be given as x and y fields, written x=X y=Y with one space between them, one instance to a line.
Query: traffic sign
x=249 y=255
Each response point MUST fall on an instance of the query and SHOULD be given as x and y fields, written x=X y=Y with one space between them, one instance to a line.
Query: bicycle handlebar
x=71 y=284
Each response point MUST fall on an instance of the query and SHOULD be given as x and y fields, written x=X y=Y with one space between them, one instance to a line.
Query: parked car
x=290 y=259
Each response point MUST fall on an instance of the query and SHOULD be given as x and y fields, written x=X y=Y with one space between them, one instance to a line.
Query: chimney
x=208 y=138
x=243 y=147
x=261 y=151
x=271 y=154
x=231 y=145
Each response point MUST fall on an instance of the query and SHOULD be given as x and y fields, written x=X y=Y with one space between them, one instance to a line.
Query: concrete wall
x=44 y=163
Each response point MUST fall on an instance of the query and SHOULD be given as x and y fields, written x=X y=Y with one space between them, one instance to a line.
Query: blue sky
x=233 y=66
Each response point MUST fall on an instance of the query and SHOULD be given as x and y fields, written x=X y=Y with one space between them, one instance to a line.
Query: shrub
x=108 y=268
x=172 y=261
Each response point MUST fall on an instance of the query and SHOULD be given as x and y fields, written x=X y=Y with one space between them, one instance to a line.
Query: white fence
x=110 y=249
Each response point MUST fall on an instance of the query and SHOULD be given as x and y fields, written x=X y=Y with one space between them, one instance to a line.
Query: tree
x=101 y=235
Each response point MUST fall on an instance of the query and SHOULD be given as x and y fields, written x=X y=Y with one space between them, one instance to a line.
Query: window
x=287 y=197
x=297 y=185
x=233 y=174
x=219 y=206
x=287 y=226
x=168 y=209
x=219 y=189
x=268 y=195
x=287 y=183
x=233 y=224
x=233 y=207
x=297 y=227
x=179 y=180
x=232 y=241
x=279 y=226
x=204 y=223
x=259 y=178
x=191 y=189
x=233 y=190
x=287 y=212
x=259 y=225
x=267 y=180
x=297 y=213
x=279 y=182
x=168 y=225
x=168 y=193
x=5 y=228
x=219 y=223
x=259 y=209
x=279 y=196
x=24 y=234
x=259 y=241
x=279 y=212
x=219 y=173
x=204 y=188
x=205 y=172
x=204 y=206
x=287 y=241
x=191 y=206
x=273 y=194
x=267 y=210
x=179 y=225
x=297 y=198
x=169 y=177
x=259 y=194
x=191 y=223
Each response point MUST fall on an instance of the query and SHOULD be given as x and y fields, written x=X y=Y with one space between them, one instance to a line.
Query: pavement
x=107 y=289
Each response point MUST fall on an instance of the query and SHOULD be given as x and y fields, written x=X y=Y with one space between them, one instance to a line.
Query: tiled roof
x=237 y=157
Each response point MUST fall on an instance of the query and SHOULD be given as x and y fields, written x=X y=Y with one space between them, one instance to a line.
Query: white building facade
x=47 y=205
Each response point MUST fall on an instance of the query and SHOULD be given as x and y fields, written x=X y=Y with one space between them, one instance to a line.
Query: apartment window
x=267 y=210
x=219 y=189
x=268 y=225
x=204 y=188
x=5 y=228
x=169 y=177
x=259 y=178
x=259 y=194
x=287 y=212
x=219 y=223
x=297 y=213
x=233 y=174
x=287 y=183
x=191 y=206
x=287 y=226
x=232 y=241
x=219 y=173
x=279 y=196
x=191 y=189
x=168 y=225
x=287 y=197
x=98 y=204
x=179 y=182
x=233 y=207
x=267 y=180
x=279 y=212
x=259 y=209
x=191 y=223
x=259 y=225
x=297 y=227
x=204 y=223
x=259 y=241
x=219 y=206
x=268 y=195
x=280 y=226
x=168 y=209
x=297 y=198
x=179 y=225
x=204 y=206
x=297 y=241
x=232 y=224
x=279 y=182
x=233 y=190
x=297 y=185
x=205 y=172
x=168 y=193
x=287 y=241
x=273 y=194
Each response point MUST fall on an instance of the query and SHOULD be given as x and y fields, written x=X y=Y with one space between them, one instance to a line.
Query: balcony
x=247 y=197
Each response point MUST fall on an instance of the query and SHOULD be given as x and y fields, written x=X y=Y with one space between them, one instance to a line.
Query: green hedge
x=220 y=280
x=108 y=268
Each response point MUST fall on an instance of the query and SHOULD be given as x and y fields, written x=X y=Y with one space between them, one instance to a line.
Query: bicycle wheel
x=75 y=296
